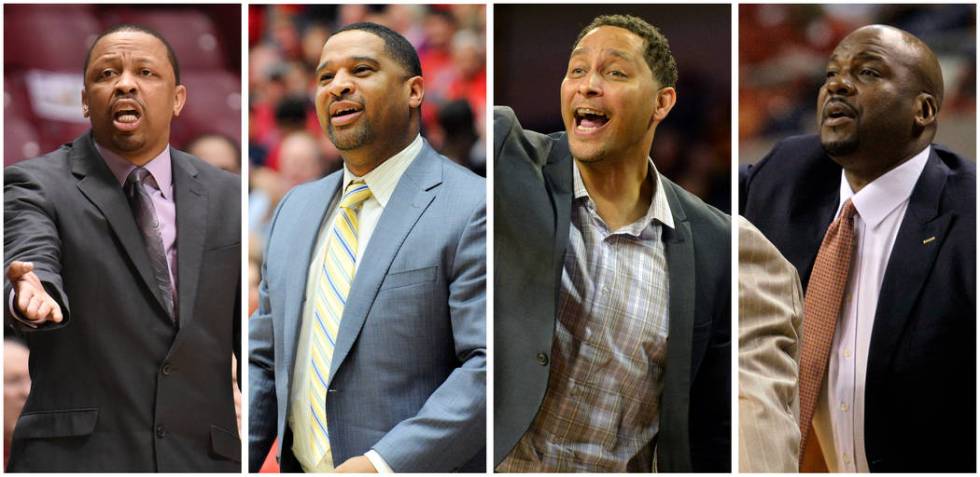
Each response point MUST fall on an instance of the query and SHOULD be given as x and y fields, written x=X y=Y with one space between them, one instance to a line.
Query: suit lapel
x=412 y=196
x=673 y=449
x=918 y=242
x=97 y=183
x=191 y=200
x=305 y=233
x=558 y=177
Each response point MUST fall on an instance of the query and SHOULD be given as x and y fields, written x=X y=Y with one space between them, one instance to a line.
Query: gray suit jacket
x=118 y=386
x=770 y=311
x=532 y=200
x=408 y=375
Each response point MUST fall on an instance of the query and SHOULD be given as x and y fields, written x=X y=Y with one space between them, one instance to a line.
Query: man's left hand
x=357 y=465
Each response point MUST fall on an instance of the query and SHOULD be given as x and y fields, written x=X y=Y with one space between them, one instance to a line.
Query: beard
x=840 y=147
x=360 y=135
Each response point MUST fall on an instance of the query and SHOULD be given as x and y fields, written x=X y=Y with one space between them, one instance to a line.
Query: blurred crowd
x=286 y=146
x=783 y=53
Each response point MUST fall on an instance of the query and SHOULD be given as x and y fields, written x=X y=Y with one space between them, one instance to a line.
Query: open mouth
x=589 y=120
x=126 y=119
x=345 y=113
x=837 y=112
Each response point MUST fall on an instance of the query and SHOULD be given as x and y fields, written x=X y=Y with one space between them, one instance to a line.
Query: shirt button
x=847 y=458
x=847 y=353
x=844 y=407
x=168 y=369
x=542 y=359
x=161 y=432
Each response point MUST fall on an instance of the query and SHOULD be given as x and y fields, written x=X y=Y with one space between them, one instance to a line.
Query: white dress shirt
x=382 y=182
x=839 y=417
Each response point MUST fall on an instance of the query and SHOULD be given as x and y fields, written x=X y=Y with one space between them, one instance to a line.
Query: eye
x=326 y=77
x=869 y=73
x=146 y=72
x=362 y=69
x=107 y=73
x=617 y=74
x=576 y=71
x=831 y=73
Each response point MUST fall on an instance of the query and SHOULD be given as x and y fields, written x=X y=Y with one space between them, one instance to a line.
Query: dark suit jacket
x=117 y=386
x=920 y=402
x=533 y=200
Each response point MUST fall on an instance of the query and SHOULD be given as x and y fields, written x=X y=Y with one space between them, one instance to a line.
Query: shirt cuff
x=14 y=312
x=379 y=464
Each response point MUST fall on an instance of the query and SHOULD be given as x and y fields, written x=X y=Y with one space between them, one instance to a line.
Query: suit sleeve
x=31 y=235
x=450 y=429
x=770 y=306
x=262 y=404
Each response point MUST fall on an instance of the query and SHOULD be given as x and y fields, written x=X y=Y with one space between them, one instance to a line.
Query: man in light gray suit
x=368 y=349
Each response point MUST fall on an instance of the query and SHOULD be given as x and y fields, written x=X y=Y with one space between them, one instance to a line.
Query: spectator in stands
x=16 y=386
x=218 y=150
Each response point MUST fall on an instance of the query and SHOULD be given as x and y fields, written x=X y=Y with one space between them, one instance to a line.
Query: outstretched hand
x=30 y=297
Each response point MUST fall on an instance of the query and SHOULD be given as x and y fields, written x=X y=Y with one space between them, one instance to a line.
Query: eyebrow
x=612 y=51
x=352 y=59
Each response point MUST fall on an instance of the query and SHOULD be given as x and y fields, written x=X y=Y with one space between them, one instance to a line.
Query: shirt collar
x=883 y=195
x=383 y=179
x=659 y=209
x=160 y=168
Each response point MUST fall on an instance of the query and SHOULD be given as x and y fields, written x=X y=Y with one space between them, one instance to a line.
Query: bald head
x=910 y=51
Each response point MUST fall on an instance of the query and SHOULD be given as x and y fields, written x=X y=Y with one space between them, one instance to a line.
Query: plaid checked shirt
x=601 y=411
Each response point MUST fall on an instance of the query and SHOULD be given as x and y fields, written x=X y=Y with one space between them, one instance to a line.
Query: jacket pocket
x=66 y=423
x=409 y=277
x=226 y=444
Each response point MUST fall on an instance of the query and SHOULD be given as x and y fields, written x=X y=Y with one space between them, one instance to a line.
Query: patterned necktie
x=149 y=225
x=822 y=307
x=333 y=286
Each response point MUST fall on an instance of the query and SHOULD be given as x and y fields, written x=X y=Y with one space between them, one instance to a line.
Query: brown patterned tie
x=822 y=307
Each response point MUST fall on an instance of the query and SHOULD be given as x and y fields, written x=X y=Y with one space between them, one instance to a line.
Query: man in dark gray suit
x=123 y=260
x=368 y=347
x=600 y=263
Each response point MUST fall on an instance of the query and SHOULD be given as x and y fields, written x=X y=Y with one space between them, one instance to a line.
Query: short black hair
x=137 y=28
x=396 y=45
x=657 y=54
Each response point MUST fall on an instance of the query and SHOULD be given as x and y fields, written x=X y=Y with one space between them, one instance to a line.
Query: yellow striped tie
x=333 y=286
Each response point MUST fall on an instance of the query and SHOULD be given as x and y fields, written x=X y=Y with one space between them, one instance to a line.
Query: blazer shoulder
x=704 y=217
x=52 y=163
x=207 y=173
x=512 y=142
x=791 y=153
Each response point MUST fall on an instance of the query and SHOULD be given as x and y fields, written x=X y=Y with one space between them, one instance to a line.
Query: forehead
x=875 y=43
x=611 y=40
x=131 y=42
x=353 y=44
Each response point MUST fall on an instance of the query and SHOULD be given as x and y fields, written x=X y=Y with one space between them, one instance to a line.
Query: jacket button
x=542 y=359
x=168 y=369
x=161 y=432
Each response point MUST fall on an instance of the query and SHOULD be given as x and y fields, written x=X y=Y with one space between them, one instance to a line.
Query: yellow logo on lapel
x=930 y=239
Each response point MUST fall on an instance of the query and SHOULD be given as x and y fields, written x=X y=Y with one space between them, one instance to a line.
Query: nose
x=126 y=84
x=590 y=85
x=341 y=85
x=839 y=84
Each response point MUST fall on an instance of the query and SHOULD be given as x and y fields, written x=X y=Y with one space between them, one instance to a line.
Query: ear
x=666 y=98
x=84 y=103
x=926 y=109
x=416 y=91
x=180 y=96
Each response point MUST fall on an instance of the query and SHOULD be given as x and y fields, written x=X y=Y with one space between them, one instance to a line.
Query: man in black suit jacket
x=619 y=86
x=131 y=368
x=877 y=114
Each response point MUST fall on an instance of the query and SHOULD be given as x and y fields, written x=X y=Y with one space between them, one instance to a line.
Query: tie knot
x=138 y=176
x=849 y=211
x=356 y=193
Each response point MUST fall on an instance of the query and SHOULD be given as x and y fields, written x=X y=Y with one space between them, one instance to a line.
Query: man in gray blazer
x=368 y=349
x=612 y=283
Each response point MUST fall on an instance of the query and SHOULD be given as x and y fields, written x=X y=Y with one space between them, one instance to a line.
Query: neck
x=620 y=189
x=365 y=159
x=860 y=172
x=138 y=159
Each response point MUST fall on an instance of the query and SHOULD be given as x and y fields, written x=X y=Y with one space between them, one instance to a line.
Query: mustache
x=837 y=102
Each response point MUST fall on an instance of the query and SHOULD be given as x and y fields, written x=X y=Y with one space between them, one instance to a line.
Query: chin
x=838 y=147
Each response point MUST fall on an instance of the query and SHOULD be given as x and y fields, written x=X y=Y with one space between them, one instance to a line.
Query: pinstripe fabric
x=770 y=314
x=601 y=410
x=824 y=296
x=333 y=286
